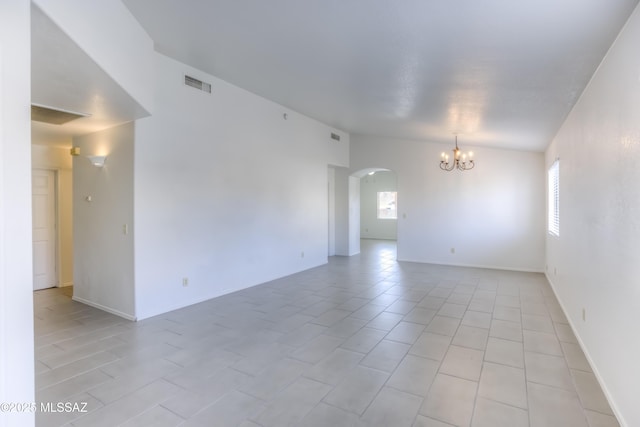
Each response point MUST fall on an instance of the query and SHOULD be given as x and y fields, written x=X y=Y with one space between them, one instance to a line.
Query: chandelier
x=461 y=161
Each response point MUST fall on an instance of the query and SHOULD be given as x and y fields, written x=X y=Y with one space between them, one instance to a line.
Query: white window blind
x=554 y=198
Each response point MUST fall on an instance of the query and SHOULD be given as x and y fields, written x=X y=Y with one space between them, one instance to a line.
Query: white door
x=44 y=229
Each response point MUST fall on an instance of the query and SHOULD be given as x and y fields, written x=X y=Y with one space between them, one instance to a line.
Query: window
x=554 y=198
x=387 y=205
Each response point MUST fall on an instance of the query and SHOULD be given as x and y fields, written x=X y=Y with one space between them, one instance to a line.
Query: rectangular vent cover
x=335 y=136
x=53 y=116
x=198 y=84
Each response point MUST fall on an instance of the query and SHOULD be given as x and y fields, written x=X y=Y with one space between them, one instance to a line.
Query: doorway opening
x=380 y=251
x=52 y=206
x=379 y=205
x=366 y=209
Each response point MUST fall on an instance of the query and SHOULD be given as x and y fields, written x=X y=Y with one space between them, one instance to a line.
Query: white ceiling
x=500 y=73
x=65 y=78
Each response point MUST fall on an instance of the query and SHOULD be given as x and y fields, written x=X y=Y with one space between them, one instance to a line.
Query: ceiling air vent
x=198 y=84
x=335 y=136
x=53 y=116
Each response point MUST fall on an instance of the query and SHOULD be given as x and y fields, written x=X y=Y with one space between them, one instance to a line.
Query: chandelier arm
x=458 y=161
x=446 y=167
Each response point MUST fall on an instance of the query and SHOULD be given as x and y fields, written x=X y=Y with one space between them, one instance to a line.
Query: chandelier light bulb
x=459 y=160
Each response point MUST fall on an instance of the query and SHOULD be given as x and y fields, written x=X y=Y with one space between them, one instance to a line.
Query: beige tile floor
x=361 y=341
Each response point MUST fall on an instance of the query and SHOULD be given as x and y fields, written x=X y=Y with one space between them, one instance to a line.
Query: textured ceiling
x=63 y=77
x=499 y=73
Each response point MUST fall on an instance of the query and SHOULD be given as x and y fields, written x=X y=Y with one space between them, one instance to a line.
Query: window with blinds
x=554 y=198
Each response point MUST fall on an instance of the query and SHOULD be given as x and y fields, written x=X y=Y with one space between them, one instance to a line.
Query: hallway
x=361 y=341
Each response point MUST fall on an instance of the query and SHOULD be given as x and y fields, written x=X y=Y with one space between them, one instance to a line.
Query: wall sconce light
x=97 y=161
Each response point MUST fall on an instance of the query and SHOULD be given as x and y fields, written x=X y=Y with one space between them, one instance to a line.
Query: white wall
x=338 y=152
x=354 y=215
x=59 y=159
x=371 y=227
x=347 y=211
x=228 y=193
x=103 y=254
x=493 y=215
x=597 y=256
x=108 y=33
x=16 y=277
x=331 y=200
x=341 y=207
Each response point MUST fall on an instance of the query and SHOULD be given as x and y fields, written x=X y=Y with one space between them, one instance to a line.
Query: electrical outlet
x=302 y=254
x=125 y=229
x=584 y=315
x=453 y=250
x=185 y=281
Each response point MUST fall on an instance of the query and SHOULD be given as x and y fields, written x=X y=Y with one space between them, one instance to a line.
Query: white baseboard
x=142 y=314
x=602 y=384
x=65 y=284
x=105 y=308
x=491 y=267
